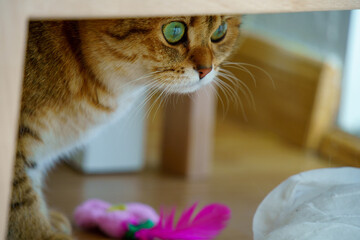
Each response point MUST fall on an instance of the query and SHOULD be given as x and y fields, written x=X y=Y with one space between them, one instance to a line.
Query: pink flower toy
x=136 y=221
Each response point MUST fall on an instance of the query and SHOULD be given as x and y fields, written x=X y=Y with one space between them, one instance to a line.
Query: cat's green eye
x=219 y=33
x=174 y=32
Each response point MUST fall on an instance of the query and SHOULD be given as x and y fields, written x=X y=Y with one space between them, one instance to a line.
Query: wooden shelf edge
x=326 y=103
x=128 y=8
x=341 y=147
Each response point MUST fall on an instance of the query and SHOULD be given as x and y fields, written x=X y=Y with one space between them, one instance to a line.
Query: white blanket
x=321 y=204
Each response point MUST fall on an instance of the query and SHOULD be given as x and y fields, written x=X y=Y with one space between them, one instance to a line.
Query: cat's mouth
x=189 y=85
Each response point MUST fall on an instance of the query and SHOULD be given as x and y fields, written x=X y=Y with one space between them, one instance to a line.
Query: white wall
x=318 y=33
x=349 y=117
x=119 y=147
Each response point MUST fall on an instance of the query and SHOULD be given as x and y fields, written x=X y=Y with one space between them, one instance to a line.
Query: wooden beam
x=188 y=134
x=12 y=48
x=339 y=146
x=125 y=8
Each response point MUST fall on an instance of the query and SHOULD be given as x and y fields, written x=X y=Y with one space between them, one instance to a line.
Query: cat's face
x=175 y=54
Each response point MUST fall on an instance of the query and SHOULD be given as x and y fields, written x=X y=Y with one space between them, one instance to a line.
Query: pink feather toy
x=136 y=221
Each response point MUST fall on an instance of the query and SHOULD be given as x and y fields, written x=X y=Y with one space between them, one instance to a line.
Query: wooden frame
x=14 y=15
x=340 y=147
x=125 y=8
x=12 y=44
x=296 y=96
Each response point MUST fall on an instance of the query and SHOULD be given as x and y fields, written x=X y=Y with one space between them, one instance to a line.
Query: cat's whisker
x=232 y=93
x=175 y=97
x=213 y=89
x=236 y=66
x=163 y=97
x=156 y=99
x=239 y=104
x=164 y=91
x=140 y=107
x=235 y=80
x=245 y=90
x=227 y=85
x=221 y=88
x=168 y=94
x=146 y=101
x=149 y=94
x=218 y=95
x=146 y=75
x=143 y=77
x=254 y=66
x=152 y=89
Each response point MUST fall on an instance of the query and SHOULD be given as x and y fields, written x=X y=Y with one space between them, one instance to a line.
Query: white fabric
x=322 y=204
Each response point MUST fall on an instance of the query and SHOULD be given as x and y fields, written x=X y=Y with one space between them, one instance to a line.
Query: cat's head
x=175 y=54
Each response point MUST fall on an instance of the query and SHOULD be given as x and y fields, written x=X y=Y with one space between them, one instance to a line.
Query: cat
x=81 y=74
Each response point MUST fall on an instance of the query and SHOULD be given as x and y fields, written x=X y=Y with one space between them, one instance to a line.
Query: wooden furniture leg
x=12 y=42
x=188 y=134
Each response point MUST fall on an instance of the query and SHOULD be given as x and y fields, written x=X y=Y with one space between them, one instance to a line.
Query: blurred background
x=289 y=103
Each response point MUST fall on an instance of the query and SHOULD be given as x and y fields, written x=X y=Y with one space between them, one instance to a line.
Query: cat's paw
x=60 y=223
x=60 y=236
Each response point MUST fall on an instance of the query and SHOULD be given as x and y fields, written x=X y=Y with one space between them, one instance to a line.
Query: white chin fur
x=195 y=85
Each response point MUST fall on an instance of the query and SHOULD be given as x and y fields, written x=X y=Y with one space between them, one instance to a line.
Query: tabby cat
x=81 y=74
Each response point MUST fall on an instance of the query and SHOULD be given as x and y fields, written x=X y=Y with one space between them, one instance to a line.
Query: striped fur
x=80 y=74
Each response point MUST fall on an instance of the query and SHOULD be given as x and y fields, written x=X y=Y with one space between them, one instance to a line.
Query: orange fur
x=78 y=75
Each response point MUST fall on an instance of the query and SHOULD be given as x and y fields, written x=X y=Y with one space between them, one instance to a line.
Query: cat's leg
x=58 y=221
x=28 y=215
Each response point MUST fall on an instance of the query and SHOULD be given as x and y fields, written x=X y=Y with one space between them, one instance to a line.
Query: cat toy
x=137 y=221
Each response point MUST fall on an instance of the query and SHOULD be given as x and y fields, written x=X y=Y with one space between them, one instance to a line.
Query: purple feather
x=186 y=216
x=206 y=225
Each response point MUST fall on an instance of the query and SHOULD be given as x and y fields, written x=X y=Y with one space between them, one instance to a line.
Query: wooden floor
x=248 y=164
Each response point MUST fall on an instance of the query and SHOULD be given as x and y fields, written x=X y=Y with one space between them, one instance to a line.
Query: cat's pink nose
x=203 y=72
